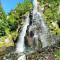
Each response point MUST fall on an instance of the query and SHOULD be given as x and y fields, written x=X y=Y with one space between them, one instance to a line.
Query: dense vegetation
x=52 y=14
x=9 y=24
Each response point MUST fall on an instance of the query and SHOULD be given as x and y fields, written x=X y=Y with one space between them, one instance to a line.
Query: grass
x=57 y=53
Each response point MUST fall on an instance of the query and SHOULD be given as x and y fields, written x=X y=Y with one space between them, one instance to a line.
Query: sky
x=9 y=5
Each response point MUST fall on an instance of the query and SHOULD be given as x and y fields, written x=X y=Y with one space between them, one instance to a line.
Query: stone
x=2 y=50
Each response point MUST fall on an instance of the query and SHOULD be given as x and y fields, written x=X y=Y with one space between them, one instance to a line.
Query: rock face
x=32 y=38
x=38 y=34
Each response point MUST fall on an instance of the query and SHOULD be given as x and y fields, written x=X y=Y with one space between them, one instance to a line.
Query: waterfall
x=44 y=34
x=43 y=30
x=20 y=45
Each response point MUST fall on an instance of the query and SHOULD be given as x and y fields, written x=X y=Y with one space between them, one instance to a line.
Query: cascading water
x=20 y=45
x=43 y=30
x=43 y=34
x=34 y=7
x=45 y=37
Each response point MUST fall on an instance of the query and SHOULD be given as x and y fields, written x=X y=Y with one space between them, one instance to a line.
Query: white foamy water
x=34 y=7
x=23 y=57
x=44 y=34
x=44 y=30
x=20 y=45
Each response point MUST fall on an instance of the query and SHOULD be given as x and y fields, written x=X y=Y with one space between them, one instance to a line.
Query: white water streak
x=44 y=30
x=23 y=57
x=20 y=45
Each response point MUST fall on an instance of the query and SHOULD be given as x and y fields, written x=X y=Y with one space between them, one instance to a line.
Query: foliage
x=51 y=13
x=10 y=22
x=57 y=53
x=2 y=13
x=23 y=7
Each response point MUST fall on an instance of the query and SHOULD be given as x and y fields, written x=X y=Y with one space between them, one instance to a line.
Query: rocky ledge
x=47 y=53
x=44 y=54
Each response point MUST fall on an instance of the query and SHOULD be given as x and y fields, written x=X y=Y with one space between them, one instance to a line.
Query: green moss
x=48 y=13
x=14 y=35
x=57 y=53
x=2 y=44
x=58 y=31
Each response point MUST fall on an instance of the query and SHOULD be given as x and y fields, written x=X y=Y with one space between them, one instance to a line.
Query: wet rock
x=41 y=56
x=31 y=34
x=31 y=17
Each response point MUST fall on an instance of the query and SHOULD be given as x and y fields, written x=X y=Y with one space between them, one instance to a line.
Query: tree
x=2 y=13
